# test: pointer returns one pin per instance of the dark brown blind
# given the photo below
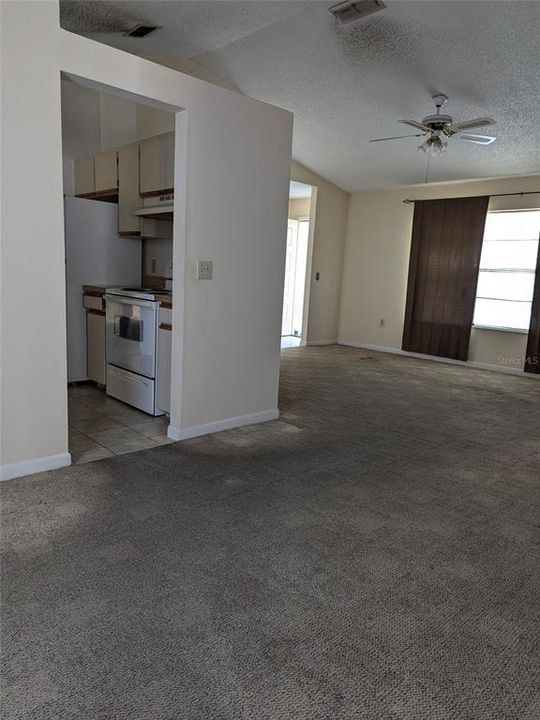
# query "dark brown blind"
(532, 361)
(443, 273)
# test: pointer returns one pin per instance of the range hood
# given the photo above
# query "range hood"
(158, 207)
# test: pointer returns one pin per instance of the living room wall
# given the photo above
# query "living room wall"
(376, 263)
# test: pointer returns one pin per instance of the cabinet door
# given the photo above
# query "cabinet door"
(84, 176)
(163, 370)
(157, 165)
(128, 191)
(106, 171)
(95, 346)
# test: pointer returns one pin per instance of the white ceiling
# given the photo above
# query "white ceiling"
(347, 84)
(186, 28)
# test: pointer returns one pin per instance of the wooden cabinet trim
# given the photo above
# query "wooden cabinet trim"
(91, 311)
(155, 193)
(165, 326)
(111, 193)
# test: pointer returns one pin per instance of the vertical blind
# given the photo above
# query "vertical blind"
(443, 273)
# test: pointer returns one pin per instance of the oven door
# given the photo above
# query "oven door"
(130, 339)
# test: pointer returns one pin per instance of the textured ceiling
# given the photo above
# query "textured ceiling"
(347, 84)
(186, 28)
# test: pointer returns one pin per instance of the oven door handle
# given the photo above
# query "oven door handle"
(130, 301)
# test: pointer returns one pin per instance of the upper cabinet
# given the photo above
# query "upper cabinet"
(128, 190)
(85, 183)
(157, 165)
(126, 174)
(97, 175)
(106, 172)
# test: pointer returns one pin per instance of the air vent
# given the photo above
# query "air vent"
(140, 31)
(348, 12)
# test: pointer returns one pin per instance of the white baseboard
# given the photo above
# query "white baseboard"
(29, 467)
(321, 342)
(436, 358)
(219, 425)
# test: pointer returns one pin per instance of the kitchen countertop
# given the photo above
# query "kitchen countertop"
(164, 300)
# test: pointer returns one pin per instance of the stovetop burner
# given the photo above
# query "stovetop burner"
(138, 292)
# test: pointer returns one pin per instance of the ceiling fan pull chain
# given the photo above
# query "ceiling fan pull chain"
(427, 166)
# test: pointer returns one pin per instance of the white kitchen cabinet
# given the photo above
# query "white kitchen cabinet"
(157, 165)
(95, 345)
(106, 172)
(128, 191)
(163, 369)
(84, 176)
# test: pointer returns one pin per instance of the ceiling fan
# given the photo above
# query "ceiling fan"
(438, 128)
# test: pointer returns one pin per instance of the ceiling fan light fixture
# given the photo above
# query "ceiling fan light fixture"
(434, 145)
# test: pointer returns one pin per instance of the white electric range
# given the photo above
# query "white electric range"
(131, 345)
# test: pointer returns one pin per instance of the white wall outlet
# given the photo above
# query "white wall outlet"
(205, 269)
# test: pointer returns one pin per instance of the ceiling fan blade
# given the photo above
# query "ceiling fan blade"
(470, 124)
(417, 125)
(396, 137)
(476, 139)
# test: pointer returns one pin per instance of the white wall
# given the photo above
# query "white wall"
(376, 263)
(226, 331)
(33, 310)
(81, 120)
(149, 122)
(118, 121)
(328, 246)
(494, 347)
(93, 121)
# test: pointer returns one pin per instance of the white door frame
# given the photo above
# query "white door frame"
(309, 263)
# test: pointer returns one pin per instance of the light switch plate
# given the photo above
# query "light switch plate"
(205, 269)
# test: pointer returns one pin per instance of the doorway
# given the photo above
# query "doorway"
(296, 288)
(118, 160)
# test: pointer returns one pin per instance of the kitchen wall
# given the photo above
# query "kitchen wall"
(376, 262)
(328, 245)
(157, 247)
(150, 121)
(220, 215)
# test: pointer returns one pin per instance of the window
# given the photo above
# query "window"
(507, 268)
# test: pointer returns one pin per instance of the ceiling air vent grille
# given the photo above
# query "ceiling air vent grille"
(140, 31)
(348, 12)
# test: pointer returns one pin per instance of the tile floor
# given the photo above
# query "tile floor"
(100, 426)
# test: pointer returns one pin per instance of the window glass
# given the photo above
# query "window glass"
(505, 286)
(519, 225)
(502, 314)
(509, 255)
(507, 270)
